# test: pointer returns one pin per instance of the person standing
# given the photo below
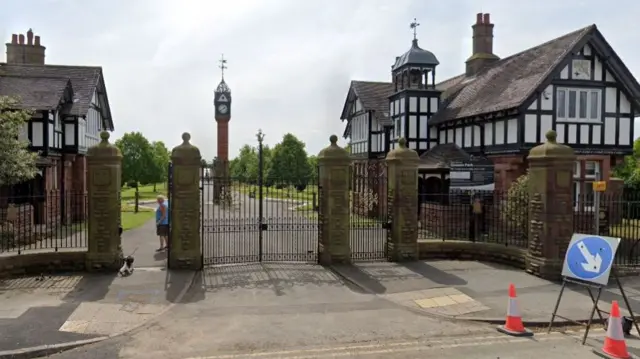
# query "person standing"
(162, 223)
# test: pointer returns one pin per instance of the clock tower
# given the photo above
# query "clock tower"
(222, 105)
(222, 108)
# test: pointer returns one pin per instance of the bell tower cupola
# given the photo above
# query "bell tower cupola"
(415, 98)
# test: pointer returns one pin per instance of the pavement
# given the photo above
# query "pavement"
(301, 311)
(66, 310)
(479, 291)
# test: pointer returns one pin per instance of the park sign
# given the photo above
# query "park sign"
(589, 258)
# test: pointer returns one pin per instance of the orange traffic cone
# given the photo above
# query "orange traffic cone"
(614, 346)
(513, 325)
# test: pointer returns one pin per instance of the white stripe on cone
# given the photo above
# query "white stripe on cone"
(614, 329)
(513, 310)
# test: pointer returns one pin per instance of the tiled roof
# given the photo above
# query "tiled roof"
(374, 95)
(35, 93)
(506, 83)
(84, 79)
(444, 154)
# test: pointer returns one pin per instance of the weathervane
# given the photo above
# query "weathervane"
(414, 25)
(223, 65)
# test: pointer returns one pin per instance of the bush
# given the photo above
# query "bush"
(301, 187)
(516, 211)
(132, 184)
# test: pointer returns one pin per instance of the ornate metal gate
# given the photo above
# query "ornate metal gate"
(370, 222)
(258, 214)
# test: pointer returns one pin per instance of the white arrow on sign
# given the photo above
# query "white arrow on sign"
(592, 262)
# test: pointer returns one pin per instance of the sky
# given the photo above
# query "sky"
(289, 61)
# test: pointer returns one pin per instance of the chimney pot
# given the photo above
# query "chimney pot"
(479, 18)
(14, 39)
(37, 41)
(487, 19)
(29, 37)
(21, 39)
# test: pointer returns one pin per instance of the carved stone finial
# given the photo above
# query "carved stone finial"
(104, 136)
(402, 142)
(186, 137)
(551, 136)
(334, 140)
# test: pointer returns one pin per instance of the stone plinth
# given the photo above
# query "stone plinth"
(104, 163)
(185, 251)
(551, 212)
(402, 172)
(334, 217)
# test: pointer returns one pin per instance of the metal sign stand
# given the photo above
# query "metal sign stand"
(589, 263)
(589, 287)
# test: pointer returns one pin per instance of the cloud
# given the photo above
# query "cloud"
(290, 62)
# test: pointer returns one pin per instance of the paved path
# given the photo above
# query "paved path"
(475, 290)
(65, 308)
(144, 242)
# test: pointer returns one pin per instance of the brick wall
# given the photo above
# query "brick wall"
(44, 262)
(507, 169)
(223, 138)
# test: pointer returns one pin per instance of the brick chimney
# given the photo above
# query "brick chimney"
(30, 53)
(482, 54)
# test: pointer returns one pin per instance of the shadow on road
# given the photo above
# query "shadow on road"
(389, 277)
(275, 276)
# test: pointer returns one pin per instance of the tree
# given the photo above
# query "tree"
(244, 168)
(289, 164)
(629, 170)
(348, 148)
(313, 163)
(137, 160)
(161, 157)
(17, 163)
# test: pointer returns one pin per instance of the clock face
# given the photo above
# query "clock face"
(223, 109)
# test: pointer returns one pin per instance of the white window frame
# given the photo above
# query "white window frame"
(396, 127)
(579, 179)
(592, 110)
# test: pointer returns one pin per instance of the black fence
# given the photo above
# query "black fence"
(476, 216)
(618, 216)
(50, 221)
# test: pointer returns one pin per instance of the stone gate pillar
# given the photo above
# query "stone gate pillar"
(551, 168)
(333, 212)
(185, 251)
(104, 163)
(402, 173)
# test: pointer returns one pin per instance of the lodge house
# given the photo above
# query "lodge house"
(70, 109)
(492, 114)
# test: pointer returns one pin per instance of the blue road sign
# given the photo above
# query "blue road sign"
(589, 258)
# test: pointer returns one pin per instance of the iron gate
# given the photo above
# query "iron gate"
(370, 220)
(257, 214)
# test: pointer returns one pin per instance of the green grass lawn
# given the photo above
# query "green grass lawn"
(145, 193)
(280, 193)
(129, 218)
